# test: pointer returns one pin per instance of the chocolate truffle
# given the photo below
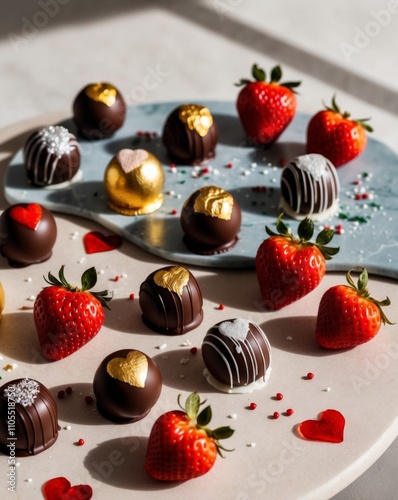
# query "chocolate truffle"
(28, 417)
(171, 301)
(99, 110)
(310, 188)
(237, 356)
(2, 299)
(27, 234)
(134, 180)
(210, 219)
(126, 385)
(190, 135)
(51, 156)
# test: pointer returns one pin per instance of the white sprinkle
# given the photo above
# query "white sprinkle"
(29, 480)
(29, 280)
(233, 416)
(253, 165)
(327, 389)
(178, 196)
(289, 338)
(216, 171)
(101, 271)
(265, 172)
(246, 172)
(273, 180)
(251, 445)
(161, 346)
(124, 275)
(186, 343)
(184, 361)
(80, 261)
(32, 298)
(170, 193)
(68, 427)
(14, 365)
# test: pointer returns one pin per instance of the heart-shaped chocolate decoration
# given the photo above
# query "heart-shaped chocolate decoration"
(133, 369)
(59, 488)
(329, 427)
(95, 242)
(173, 279)
(129, 159)
(102, 92)
(29, 215)
(236, 329)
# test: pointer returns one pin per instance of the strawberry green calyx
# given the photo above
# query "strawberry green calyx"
(336, 109)
(88, 281)
(305, 232)
(201, 419)
(362, 291)
(259, 75)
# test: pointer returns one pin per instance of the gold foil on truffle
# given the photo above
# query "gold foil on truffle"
(102, 92)
(215, 202)
(133, 369)
(173, 279)
(134, 188)
(197, 118)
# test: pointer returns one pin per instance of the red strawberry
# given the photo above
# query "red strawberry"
(334, 135)
(266, 109)
(67, 317)
(288, 267)
(180, 446)
(348, 316)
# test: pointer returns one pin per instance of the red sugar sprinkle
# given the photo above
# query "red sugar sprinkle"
(253, 406)
(229, 165)
(80, 442)
(172, 165)
(68, 390)
(221, 307)
(61, 394)
(194, 350)
(131, 296)
(276, 414)
(174, 212)
(339, 229)
(279, 396)
(310, 375)
(358, 197)
(116, 278)
(282, 162)
(365, 196)
(88, 400)
(205, 171)
(289, 412)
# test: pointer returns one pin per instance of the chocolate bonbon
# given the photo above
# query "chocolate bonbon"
(33, 427)
(237, 356)
(171, 301)
(126, 385)
(190, 135)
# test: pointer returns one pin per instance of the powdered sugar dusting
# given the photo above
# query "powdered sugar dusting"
(57, 140)
(313, 164)
(130, 159)
(236, 329)
(23, 393)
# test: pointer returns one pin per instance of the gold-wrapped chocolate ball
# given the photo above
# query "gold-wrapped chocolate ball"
(134, 181)
(2, 299)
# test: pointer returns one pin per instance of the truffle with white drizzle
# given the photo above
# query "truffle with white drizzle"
(310, 188)
(51, 156)
(237, 356)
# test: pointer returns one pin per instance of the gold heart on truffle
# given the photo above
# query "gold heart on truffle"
(173, 279)
(102, 92)
(133, 369)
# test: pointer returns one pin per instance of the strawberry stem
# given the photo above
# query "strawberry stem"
(336, 109)
(259, 75)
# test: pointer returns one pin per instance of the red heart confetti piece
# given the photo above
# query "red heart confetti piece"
(329, 427)
(29, 215)
(59, 488)
(97, 242)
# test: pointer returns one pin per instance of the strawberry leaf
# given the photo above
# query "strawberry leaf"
(222, 433)
(324, 237)
(276, 74)
(204, 416)
(89, 279)
(305, 229)
(258, 73)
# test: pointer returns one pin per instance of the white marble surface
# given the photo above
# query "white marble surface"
(168, 50)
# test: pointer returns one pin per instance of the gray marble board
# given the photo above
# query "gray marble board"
(368, 198)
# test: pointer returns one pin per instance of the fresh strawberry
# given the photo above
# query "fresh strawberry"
(289, 267)
(348, 316)
(67, 317)
(180, 446)
(266, 108)
(334, 135)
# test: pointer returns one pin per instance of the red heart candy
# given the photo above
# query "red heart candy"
(29, 215)
(59, 488)
(98, 242)
(329, 427)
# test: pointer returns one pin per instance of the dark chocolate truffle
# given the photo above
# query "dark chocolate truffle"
(134, 180)
(190, 135)
(237, 356)
(210, 219)
(171, 301)
(28, 417)
(127, 384)
(99, 110)
(51, 156)
(27, 234)
(310, 188)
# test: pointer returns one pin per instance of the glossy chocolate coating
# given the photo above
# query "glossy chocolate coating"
(310, 187)
(51, 156)
(166, 311)
(121, 402)
(186, 146)
(208, 235)
(23, 246)
(36, 423)
(95, 119)
(240, 359)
